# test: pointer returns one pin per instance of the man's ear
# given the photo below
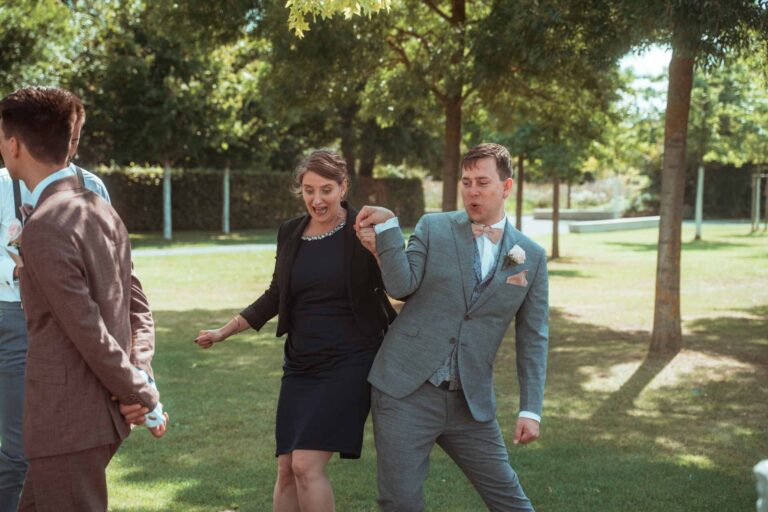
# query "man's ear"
(508, 183)
(15, 146)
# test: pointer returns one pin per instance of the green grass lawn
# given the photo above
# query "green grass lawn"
(620, 432)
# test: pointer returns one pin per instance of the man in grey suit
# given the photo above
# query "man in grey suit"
(466, 275)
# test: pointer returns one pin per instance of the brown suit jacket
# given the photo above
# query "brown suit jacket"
(88, 324)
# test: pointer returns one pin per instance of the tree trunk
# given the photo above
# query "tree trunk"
(519, 199)
(667, 332)
(555, 218)
(347, 115)
(451, 152)
(367, 151)
(568, 205)
(452, 100)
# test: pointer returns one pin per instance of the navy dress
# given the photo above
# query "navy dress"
(324, 395)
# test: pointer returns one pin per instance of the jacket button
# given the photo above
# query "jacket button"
(467, 317)
(453, 341)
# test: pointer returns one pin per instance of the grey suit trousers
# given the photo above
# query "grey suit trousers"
(406, 430)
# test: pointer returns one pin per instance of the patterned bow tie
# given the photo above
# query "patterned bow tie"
(26, 210)
(493, 234)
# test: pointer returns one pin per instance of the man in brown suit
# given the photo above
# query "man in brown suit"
(89, 326)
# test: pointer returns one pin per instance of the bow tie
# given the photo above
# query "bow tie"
(493, 234)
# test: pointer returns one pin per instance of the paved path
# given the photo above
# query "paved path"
(531, 227)
(208, 249)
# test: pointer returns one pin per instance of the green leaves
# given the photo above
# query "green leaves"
(299, 10)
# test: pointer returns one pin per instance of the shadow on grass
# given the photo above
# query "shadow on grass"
(621, 431)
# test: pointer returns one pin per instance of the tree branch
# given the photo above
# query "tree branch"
(434, 7)
(409, 66)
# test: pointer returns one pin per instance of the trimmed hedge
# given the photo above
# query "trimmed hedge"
(257, 199)
(727, 191)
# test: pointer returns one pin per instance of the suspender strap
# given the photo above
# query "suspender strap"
(17, 199)
(80, 176)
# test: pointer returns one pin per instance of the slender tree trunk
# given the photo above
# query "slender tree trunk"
(568, 205)
(667, 331)
(367, 152)
(451, 152)
(347, 135)
(452, 103)
(519, 200)
(555, 218)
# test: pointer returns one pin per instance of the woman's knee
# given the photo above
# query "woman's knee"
(305, 467)
(285, 475)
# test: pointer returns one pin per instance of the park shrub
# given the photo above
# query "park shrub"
(257, 199)
(727, 191)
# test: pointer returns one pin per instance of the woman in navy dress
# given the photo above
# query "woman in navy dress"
(328, 295)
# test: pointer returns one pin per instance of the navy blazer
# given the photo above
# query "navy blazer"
(370, 305)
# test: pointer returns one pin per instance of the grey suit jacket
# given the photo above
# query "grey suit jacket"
(435, 273)
(88, 320)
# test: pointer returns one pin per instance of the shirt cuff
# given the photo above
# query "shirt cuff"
(391, 223)
(153, 418)
(530, 416)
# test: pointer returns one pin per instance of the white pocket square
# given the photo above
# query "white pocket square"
(518, 279)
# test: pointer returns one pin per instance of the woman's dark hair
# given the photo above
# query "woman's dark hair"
(323, 162)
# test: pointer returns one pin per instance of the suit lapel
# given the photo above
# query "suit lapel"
(462, 238)
(288, 255)
(500, 276)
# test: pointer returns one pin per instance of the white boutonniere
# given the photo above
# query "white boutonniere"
(515, 256)
(14, 233)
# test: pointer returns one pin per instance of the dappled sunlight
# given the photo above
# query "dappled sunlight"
(697, 367)
(688, 367)
(698, 461)
(600, 380)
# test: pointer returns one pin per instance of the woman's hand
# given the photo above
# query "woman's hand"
(367, 237)
(206, 339)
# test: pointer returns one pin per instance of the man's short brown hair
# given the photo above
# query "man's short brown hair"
(41, 118)
(490, 150)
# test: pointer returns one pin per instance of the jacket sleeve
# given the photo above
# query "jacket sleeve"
(402, 269)
(63, 284)
(266, 307)
(142, 327)
(532, 340)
